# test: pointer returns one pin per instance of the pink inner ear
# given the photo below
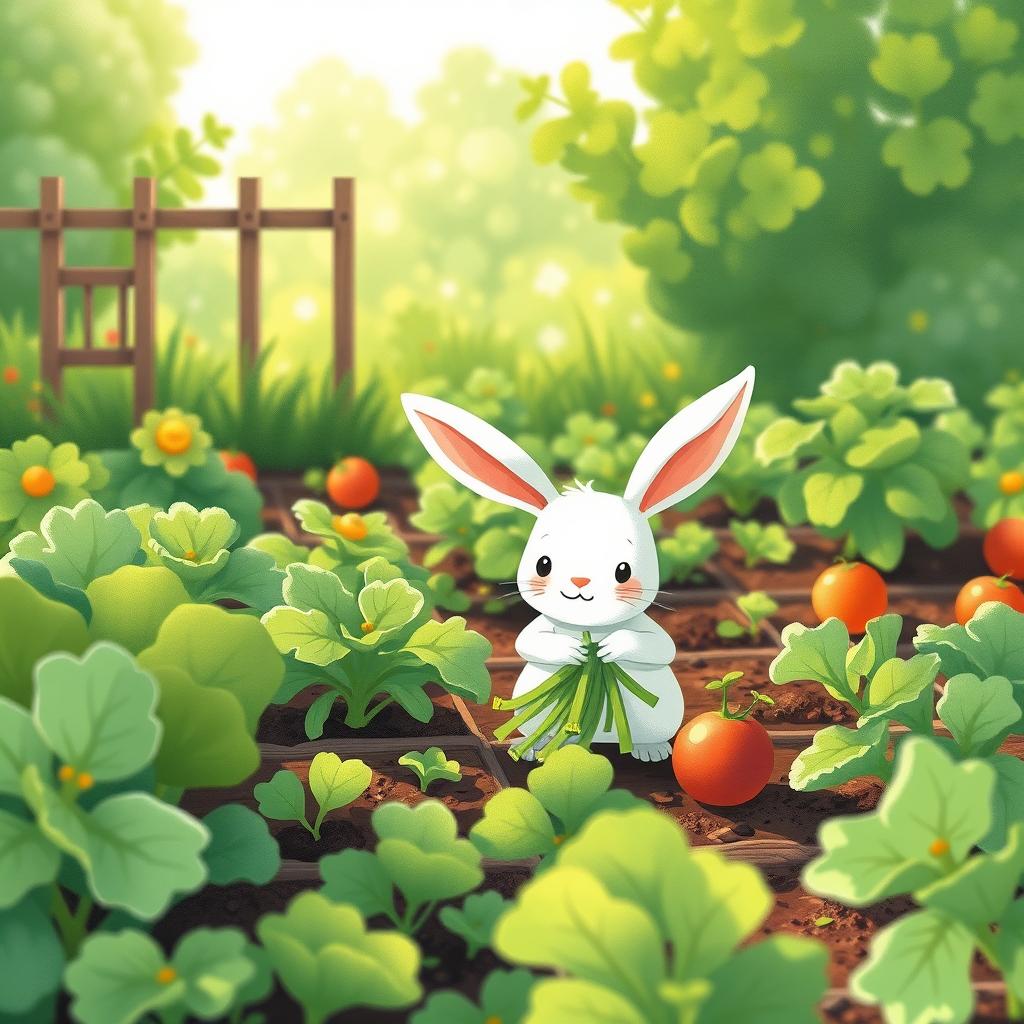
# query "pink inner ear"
(472, 459)
(694, 459)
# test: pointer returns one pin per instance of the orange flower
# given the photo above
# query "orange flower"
(11, 375)
(608, 409)
(112, 337)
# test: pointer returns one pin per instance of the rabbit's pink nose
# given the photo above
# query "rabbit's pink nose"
(580, 581)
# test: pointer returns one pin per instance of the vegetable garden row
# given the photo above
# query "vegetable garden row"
(257, 775)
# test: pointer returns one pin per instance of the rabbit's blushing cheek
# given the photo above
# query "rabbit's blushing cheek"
(538, 584)
(631, 590)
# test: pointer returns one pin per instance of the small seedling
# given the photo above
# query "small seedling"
(684, 553)
(334, 783)
(762, 543)
(315, 480)
(474, 921)
(430, 766)
(723, 685)
(756, 607)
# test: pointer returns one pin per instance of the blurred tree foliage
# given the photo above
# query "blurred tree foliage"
(86, 88)
(814, 177)
(456, 224)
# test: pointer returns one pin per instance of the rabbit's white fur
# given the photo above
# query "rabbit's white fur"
(588, 536)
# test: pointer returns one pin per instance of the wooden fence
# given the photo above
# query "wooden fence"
(139, 281)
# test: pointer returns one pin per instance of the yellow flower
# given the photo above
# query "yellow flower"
(166, 975)
(918, 321)
(648, 400)
(1011, 482)
(672, 371)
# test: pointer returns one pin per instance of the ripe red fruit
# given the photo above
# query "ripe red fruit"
(1004, 548)
(353, 483)
(976, 592)
(239, 462)
(724, 758)
(852, 592)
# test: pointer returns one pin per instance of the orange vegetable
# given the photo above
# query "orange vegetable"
(353, 483)
(976, 592)
(239, 462)
(1004, 548)
(851, 592)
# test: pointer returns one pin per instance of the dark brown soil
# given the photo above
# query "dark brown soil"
(692, 626)
(812, 556)
(954, 565)
(284, 724)
(715, 512)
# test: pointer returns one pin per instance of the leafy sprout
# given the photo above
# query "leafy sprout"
(431, 765)
(685, 551)
(762, 542)
(755, 608)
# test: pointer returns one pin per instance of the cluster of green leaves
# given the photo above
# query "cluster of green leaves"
(431, 765)
(80, 816)
(872, 466)
(593, 450)
(755, 608)
(474, 921)
(922, 841)
(980, 706)
(333, 782)
(418, 855)
(504, 996)
(997, 478)
(75, 548)
(762, 542)
(734, 194)
(683, 553)
(368, 634)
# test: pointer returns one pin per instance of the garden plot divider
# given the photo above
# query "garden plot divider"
(777, 831)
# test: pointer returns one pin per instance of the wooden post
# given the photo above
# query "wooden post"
(343, 255)
(248, 275)
(144, 229)
(87, 315)
(122, 316)
(51, 295)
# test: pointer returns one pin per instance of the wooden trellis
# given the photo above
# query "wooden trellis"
(136, 334)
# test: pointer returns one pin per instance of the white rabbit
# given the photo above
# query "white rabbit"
(590, 562)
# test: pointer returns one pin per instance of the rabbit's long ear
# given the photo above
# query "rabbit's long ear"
(685, 453)
(478, 455)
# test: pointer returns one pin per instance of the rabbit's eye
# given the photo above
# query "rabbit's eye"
(544, 566)
(623, 572)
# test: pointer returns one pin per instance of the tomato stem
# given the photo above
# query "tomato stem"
(723, 684)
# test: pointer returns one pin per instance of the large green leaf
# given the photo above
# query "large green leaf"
(20, 745)
(882, 447)
(218, 649)
(137, 853)
(311, 635)
(877, 534)
(817, 654)
(897, 683)
(130, 605)
(991, 644)
(196, 541)
(514, 826)
(358, 877)
(785, 437)
(1007, 800)
(877, 646)
(31, 626)
(282, 798)
(32, 957)
(336, 783)
(912, 492)
(310, 588)
(386, 607)
(570, 783)
(214, 965)
(27, 859)
(457, 653)
(556, 1000)
(241, 847)
(978, 712)
(829, 493)
(249, 576)
(837, 755)
(97, 713)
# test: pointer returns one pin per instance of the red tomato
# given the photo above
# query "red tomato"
(239, 462)
(1004, 548)
(986, 588)
(723, 761)
(851, 592)
(353, 483)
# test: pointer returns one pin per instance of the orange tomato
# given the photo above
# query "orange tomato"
(976, 592)
(851, 592)
(353, 483)
(239, 462)
(723, 761)
(1004, 548)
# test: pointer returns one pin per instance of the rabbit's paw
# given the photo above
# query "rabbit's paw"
(652, 751)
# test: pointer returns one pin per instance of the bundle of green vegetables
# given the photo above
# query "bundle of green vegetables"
(574, 698)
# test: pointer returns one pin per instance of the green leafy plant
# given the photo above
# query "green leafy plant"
(560, 796)
(869, 469)
(722, 686)
(574, 701)
(593, 450)
(430, 766)
(762, 542)
(418, 854)
(755, 608)
(35, 476)
(474, 921)
(685, 551)
(504, 996)
(372, 639)
(333, 782)
(920, 842)
(618, 918)
(172, 461)
(126, 977)
(997, 483)
(328, 960)
(75, 547)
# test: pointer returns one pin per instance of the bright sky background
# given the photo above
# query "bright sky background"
(250, 50)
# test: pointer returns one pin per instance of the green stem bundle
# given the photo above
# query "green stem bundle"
(572, 701)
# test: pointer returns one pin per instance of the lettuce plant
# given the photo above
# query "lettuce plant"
(418, 854)
(572, 785)
(474, 921)
(504, 996)
(126, 977)
(373, 643)
(328, 961)
(622, 916)
(921, 841)
(593, 450)
(872, 465)
(997, 483)
(755, 607)
(333, 782)
(685, 551)
(762, 542)
(75, 547)
(431, 765)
